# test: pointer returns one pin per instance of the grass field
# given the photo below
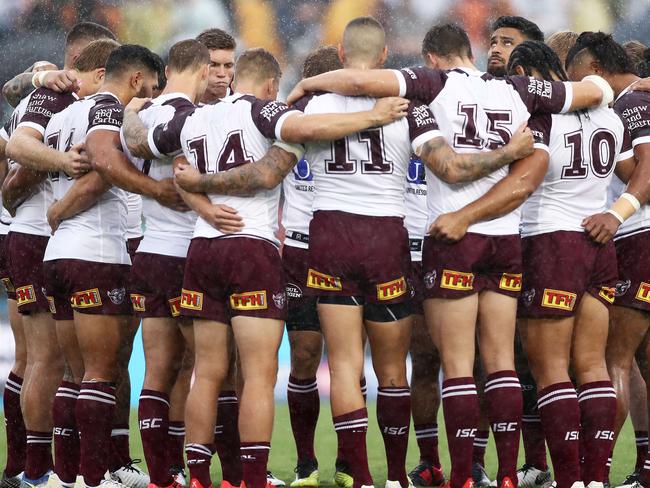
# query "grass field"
(283, 453)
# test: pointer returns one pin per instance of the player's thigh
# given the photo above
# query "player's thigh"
(99, 338)
(210, 349)
(627, 328)
(452, 326)
(389, 345)
(258, 340)
(306, 352)
(549, 349)
(41, 330)
(497, 323)
(424, 355)
(343, 331)
(163, 343)
(590, 340)
(67, 339)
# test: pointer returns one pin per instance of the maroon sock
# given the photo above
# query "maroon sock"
(66, 436)
(641, 437)
(95, 413)
(175, 444)
(304, 407)
(153, 421)
(598, 414)
(461, 411)
(254, 460)
(480, 446)
(198, 460)
(227, 440)
(38, 458)
(534, 442)
(16, 436)
(364, 388)
(504, 405)
(427, 437)
(394, 419)
(351, 431)
(120, 454)
(560, 414)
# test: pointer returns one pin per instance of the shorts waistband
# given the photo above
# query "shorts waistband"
(298, 236)
(415, 245)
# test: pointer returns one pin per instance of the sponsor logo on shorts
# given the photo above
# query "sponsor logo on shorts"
(251, 300)
(607, 293)
(86, 299)
(392, 289)
(175, 306)
(563, 300)
(9, 286)
(528, 296)
(643, 293)
(117, 295)
(280, 299)
(51, 305)
(510, 282)
(293, 291)
(622, 287)
(138, 302)
(25, 295)
(430, 279)
(457, 280)
(192, 300)
(321, 281)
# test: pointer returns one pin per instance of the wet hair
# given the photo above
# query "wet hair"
(257, 64)
(609, 53)
(635, 50)
(561, 42)
(535, 55)
(217, 39)
(364, 38)
(528, 29)
(322, 60)
(188, 54)
(643, 67)
(132, 56)
(162, 77)
(95, 55)
(87, 31)
(447, 40)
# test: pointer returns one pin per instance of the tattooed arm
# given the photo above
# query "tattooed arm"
(135, 133)
(264, 174)
(453, 167)
(18, 88)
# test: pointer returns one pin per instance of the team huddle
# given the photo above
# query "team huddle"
(492, 225)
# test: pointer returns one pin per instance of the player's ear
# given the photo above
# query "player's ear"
(137, 80)
(341, 52)
(98, 76)
(383, 57)
(596, 68)
(431, 60)
(519, 70)
(167, 71)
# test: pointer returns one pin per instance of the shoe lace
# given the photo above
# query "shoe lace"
(631, 478)
(525, 468)
(132, 466)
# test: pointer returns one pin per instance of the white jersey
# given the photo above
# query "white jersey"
(35, 111)
(167, 232)
(134, 215)
(477, 112)
(365, 173)
(97, 234)
(634, 109)
(234, 131)
(583, 149)
(415, 198)
(298, 189)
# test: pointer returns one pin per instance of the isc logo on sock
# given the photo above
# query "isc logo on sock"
(395, 430)
(62, 431)
(604, 435)
(465, 433)
(572, 435)
(150, 423)
(504, 427)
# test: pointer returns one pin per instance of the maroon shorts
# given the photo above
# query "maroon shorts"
(301, 314)
(360, 256)
(633, 289)
(132, 246)
(227, 277)
(417, 288)
(155, 285)
(86, 287)
(476, 263)
(4, 269)
(559, 268)
(25, 263)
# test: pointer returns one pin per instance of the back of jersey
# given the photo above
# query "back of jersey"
(365, 173)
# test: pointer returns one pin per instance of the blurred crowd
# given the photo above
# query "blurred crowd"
(32, 30)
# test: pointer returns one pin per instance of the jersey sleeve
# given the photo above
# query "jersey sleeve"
(627, 149)
(420, 83)
(634, 110)
(540, 125)
(422, 125)
(42, 105)
(541, 96)
(165, 139)
(4, 132)
(106, 116)
(269, 116)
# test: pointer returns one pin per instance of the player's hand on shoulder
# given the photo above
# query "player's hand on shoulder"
(43, 66)
(296, 94)
(449, 227)
(602, 227)
(223, 218)
(389, 109)
(136, 104)
(168, 196)
(642, 85)
(521, 143)
(62, 81)
(188, 177)
(76, 162)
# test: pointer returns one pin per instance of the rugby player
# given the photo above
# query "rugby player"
(86, 272)
(452, 304)
(507, 33)
(596, 52)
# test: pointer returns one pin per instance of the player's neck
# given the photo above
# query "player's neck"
(250, 88)
(620, 82)
(187, 85)
(123, 94)
(361, 65)
(456, 62)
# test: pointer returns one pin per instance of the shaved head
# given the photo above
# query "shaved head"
(364, 41)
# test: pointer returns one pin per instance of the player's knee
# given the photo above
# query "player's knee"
(386, 313)
(424, 367)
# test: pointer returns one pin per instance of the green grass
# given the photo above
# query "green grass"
(283, 454)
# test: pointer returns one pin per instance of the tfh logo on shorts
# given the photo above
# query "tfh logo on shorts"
(138, 302)
(559, 299)
(643, 293)
(175, 306)
(25, 295)
(86, 299)
(392, 289)
(510, 282)
(251, 300)
(192, 300)
(457, 280)
(321, 281)
(117, 295)
(607, 293)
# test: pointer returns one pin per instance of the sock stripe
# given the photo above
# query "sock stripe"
(509, 384)
(257, 446)
(562, 391)
(394, 393)
(119, 432)
(152, 397)
(531, 418)
(13, 384)
(72, 391)
(92, 391)
(433, 430)
(588, 391)
(96, 399)
(307, 389)
(459, 393)
(351, 424)
(228, 399)
(198, 448)
(505, 379)
(597, 395)
(11, 388)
